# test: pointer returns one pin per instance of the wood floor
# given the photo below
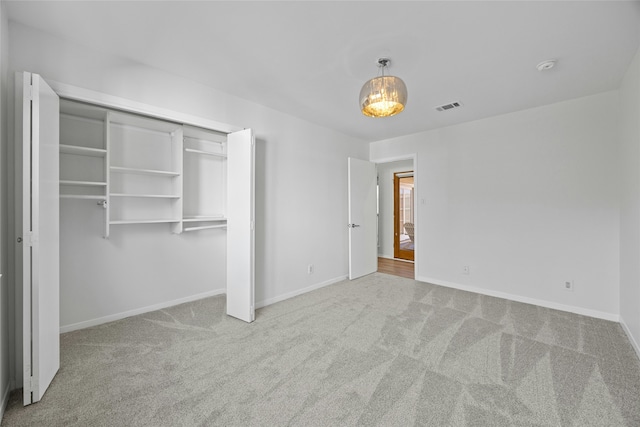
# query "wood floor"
(395, 267)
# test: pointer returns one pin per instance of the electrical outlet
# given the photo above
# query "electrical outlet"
(465, 269)
(310, 269)
(568, 285)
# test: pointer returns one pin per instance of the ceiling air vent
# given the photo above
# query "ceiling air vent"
(449, 106)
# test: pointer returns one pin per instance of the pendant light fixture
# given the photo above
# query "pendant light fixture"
(383, 96)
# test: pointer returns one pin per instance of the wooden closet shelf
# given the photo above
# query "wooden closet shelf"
(82, 196)
(83, 183)
(120, 169)
(144, 221)
(148, 196)
(207, 153)
(82, 151)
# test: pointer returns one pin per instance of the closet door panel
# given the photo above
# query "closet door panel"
(240, 225)
(38, 118)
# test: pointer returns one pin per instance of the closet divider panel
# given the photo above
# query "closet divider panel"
(177, 138)
(107, 202)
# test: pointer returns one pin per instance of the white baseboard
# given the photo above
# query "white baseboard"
(632, 339)
(288, 295)
(118, 316)
(526, 300)
(5, 400)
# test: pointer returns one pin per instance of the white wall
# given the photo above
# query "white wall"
(385, 218)
(630, 202)
(4, 282)
(528, 200)
(301, 196)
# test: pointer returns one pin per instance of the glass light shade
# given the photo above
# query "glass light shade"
(383, 96)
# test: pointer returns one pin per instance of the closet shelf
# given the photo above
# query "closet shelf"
(144, 221)
(142, 124)
(120, 169)
(148, 196)
(208, 153)
(82, 151)
(204, 227)
(202, 140)
(84, 183)
(82, 196)
(82, 112)
(204, 219)
(99, 119)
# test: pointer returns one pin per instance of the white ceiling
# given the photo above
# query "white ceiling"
(310, 59)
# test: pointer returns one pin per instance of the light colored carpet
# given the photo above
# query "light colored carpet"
(380, 350)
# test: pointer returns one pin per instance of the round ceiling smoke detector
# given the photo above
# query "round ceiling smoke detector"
(546, 65)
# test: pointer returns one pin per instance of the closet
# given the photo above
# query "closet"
(143, 170)
(121, 169)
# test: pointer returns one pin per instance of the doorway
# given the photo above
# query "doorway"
(387, 170)
(403, 216)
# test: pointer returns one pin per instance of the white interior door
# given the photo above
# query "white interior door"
(240, 225)
(37, 127)
(362, 225)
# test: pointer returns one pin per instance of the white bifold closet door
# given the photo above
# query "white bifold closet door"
(37, 221)
(363, 218)
(241, 225)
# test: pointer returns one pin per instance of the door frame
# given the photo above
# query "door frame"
(418, 201)
(397, 251)
(76, 93)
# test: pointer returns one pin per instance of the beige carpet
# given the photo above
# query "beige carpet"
(380, 350)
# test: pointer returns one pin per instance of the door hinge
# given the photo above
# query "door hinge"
(30, 238)
(33, 384)
(29, 93)
(26, 381)
(28, 384)
(253, 224)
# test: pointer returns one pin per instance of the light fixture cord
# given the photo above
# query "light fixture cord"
(384, 63)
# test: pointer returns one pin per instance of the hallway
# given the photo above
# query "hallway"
(396, 267)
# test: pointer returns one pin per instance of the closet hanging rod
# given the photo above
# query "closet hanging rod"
(216, 218)
(204, 227)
